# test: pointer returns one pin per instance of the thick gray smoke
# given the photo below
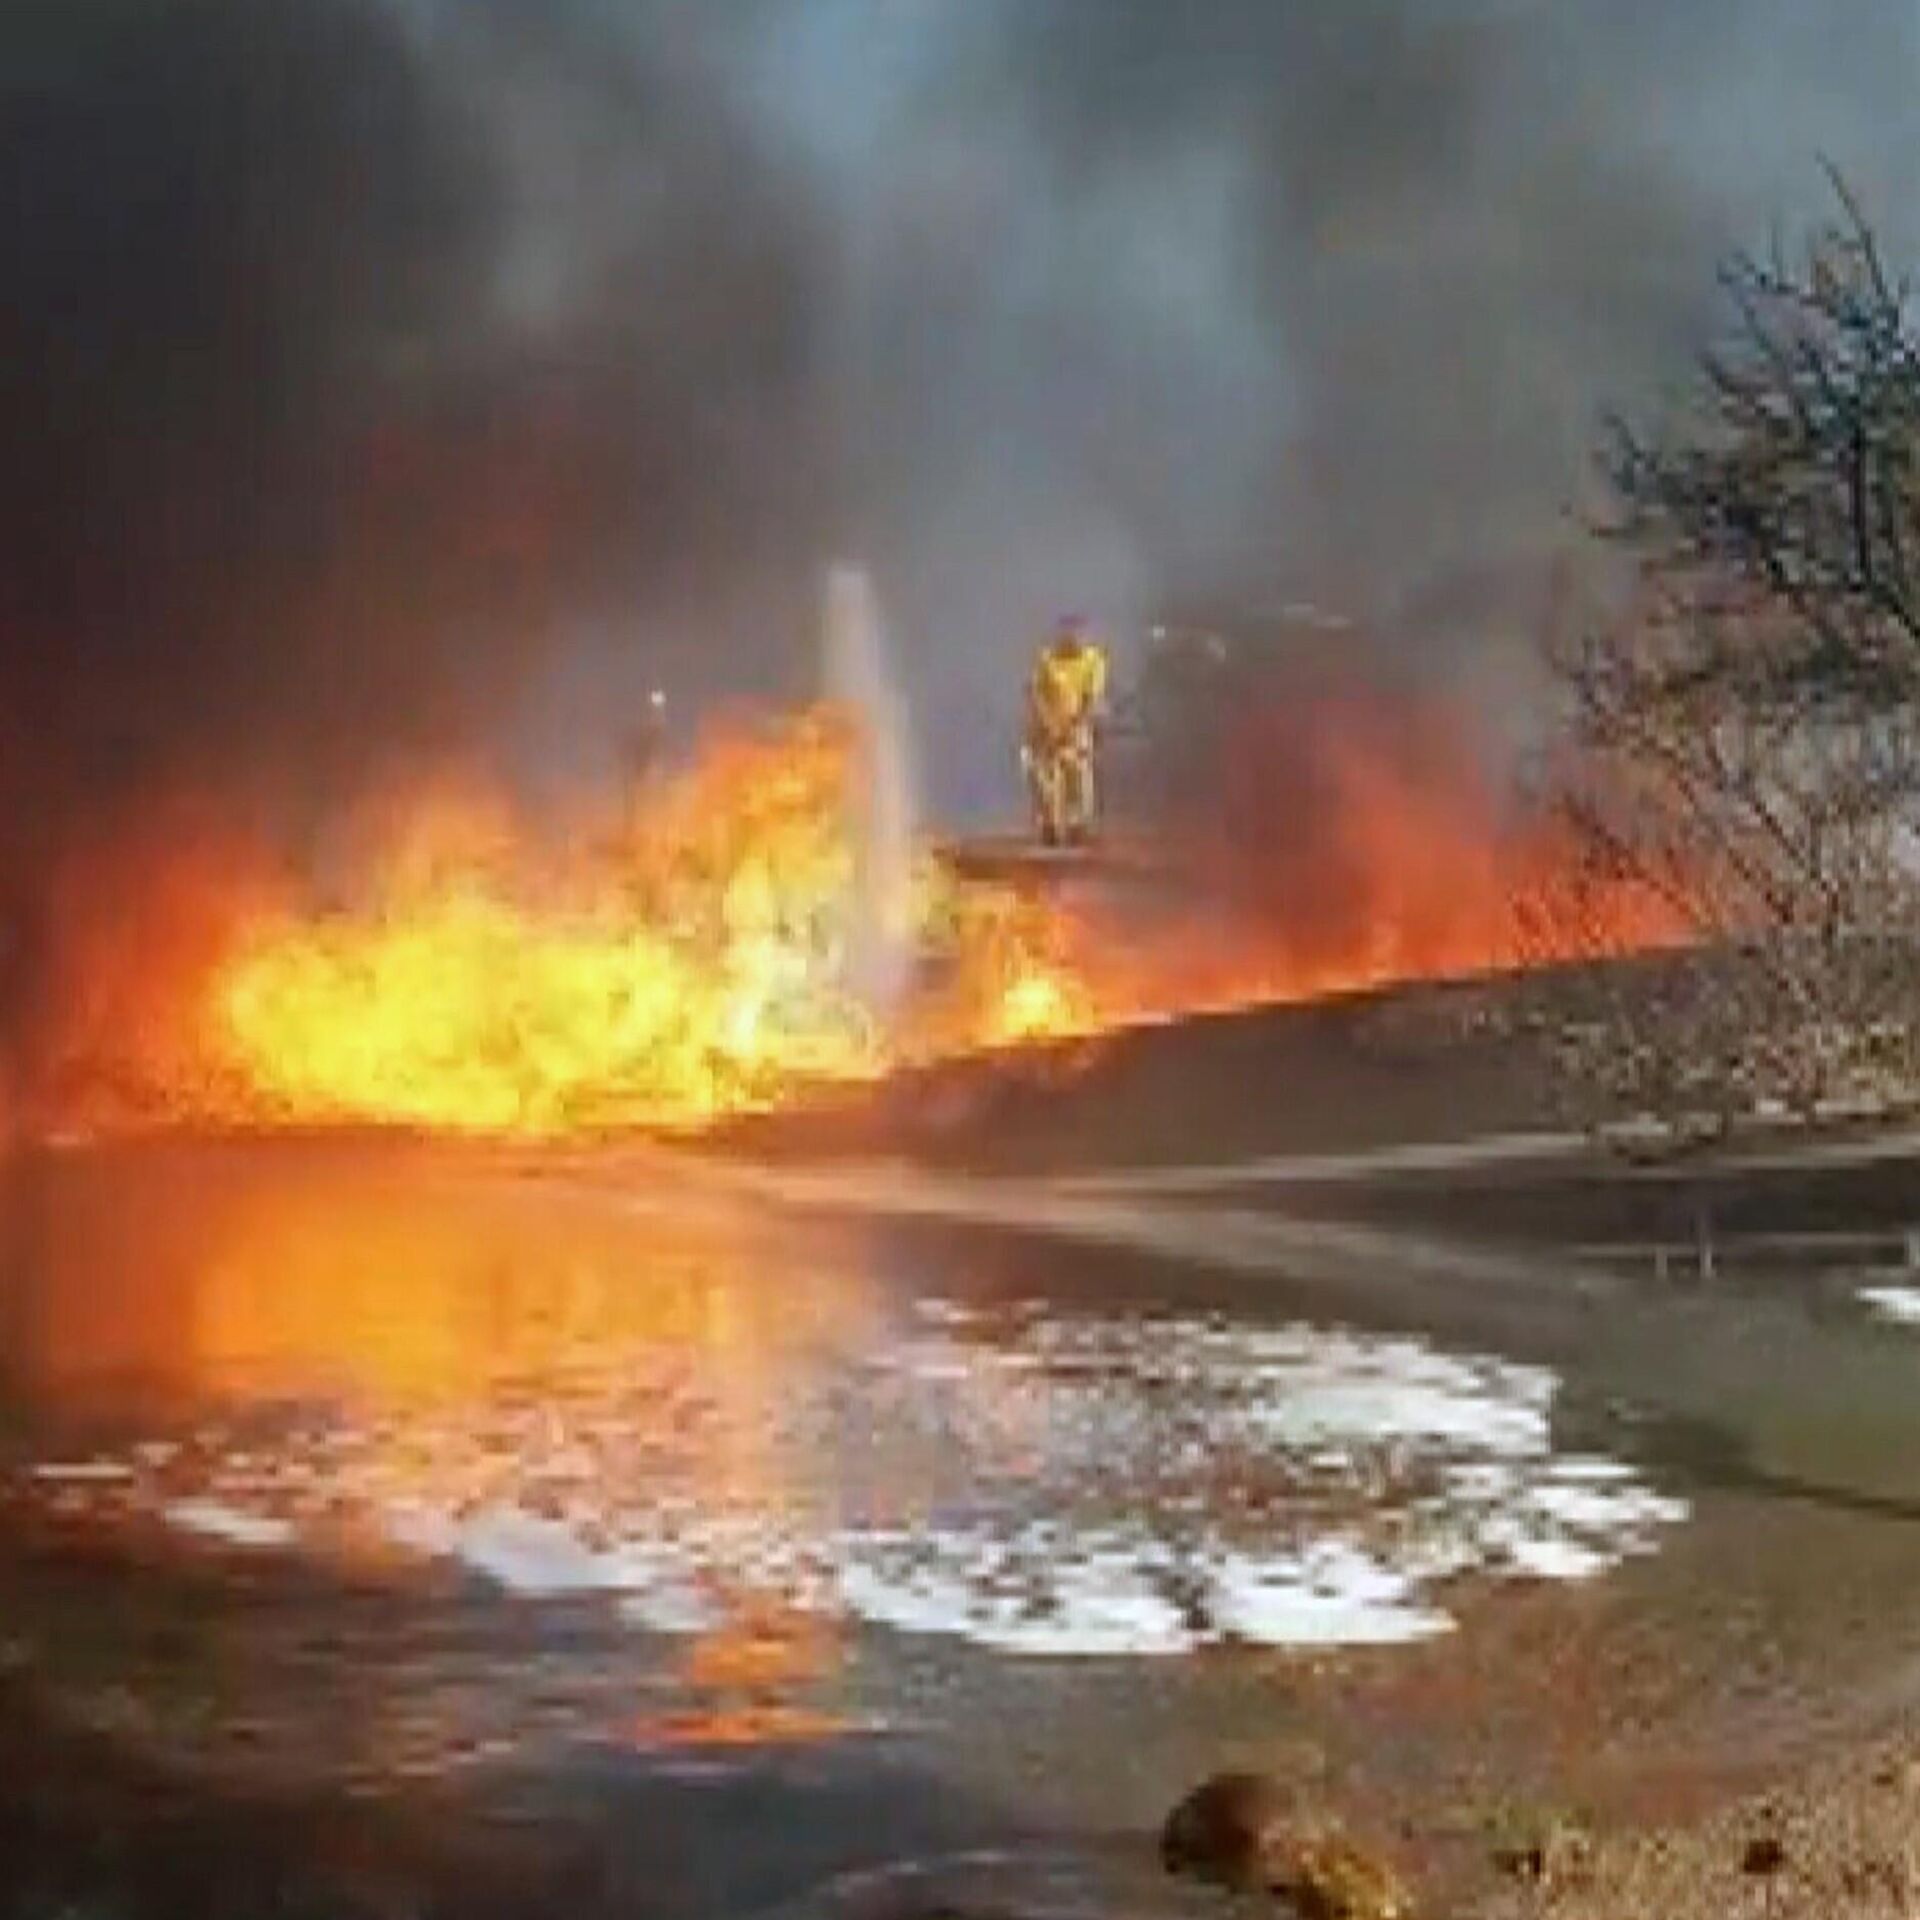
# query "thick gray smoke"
(375, 373)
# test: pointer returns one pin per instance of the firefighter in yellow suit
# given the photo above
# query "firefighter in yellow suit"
(1066, 700)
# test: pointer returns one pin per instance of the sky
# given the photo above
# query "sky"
(387, 378)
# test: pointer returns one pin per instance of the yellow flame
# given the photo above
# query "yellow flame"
(692, 955)
(690, 963)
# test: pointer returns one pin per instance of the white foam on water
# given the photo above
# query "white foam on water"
(530, 1554)
(1603, 1509)
(1896, 1303)
(1034, 1483)
(1543, 1558)
(1340, 1597)
(1575, 1467)
(670, 1610)
(82, 1472)
(234, 1526)
(1097, 1604)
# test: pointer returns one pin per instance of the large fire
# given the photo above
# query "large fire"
(680, 965)
(691, 957)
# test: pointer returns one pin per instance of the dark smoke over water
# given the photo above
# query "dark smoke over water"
(382, 374)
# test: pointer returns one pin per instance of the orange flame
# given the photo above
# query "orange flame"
(688, 960)
(1344, 841)
(682, 966)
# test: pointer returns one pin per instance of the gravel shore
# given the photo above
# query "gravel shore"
(1841, 1840)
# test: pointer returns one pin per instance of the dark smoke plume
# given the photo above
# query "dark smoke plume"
(307, 471)
(378, 375)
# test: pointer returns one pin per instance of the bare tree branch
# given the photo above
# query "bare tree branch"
(1746, 739)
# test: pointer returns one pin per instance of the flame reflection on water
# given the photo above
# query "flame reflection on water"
(741, 1436)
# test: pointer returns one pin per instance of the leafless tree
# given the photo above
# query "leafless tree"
(1744, 736)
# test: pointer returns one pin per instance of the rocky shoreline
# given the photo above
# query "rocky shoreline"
(1840, 1839)
(91, 1824)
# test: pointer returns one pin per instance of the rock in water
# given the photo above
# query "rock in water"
(1220, 1831)
(1248, 1832)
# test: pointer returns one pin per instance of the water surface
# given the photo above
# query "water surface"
(697, 1410)
(864, 1541)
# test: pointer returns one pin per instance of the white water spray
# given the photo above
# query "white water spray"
(859, 677)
